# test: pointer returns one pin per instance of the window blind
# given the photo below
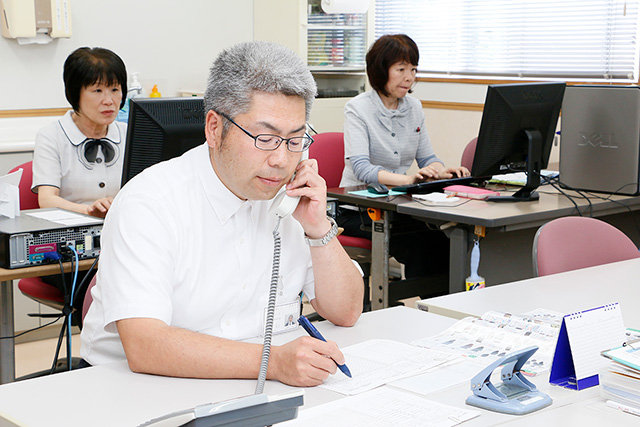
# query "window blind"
(593, 40)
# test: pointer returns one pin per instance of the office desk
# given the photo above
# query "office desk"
(506, 218)
(566, 292)
(7, 276)
(111, 395)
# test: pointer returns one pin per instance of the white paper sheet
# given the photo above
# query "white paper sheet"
(376, 362)
(382, 407)
(442, 377)
(64, 217)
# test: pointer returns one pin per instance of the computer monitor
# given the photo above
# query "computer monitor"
(516, 133)
(160, 129)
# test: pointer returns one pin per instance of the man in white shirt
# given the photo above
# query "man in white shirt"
(187, 245)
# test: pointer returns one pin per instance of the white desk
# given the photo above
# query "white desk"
(111, 395)
(565, 292)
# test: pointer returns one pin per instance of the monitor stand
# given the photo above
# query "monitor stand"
(534, 165)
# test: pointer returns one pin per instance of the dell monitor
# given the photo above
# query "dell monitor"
(160, 129)
(516, 133)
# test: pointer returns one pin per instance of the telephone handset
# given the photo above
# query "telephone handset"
(284, 205)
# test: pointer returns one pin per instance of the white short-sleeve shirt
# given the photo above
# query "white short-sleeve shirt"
(178, 246)
(58, 161)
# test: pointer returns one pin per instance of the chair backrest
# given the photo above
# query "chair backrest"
(28, 199)
(468, 154)
(328, 150)
(574, 242)
(88, 299)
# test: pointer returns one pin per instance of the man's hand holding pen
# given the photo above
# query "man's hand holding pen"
(304, 362)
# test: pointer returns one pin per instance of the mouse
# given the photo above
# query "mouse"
(378, 189)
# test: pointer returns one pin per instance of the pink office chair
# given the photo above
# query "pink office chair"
(28, 199)
(34, 287)
(468, 154)
(575, 242)
(328, 150)
(88, 298)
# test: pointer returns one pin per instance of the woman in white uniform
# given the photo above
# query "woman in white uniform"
(77, 161)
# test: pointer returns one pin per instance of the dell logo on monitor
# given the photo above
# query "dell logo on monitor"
(533, 95)
(594, 139)
(192, 113)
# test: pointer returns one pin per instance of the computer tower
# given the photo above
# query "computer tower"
(600, 139)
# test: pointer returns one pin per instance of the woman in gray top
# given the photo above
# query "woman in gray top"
(384, 132)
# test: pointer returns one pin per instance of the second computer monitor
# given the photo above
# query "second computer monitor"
(516, 132)
(160, 129)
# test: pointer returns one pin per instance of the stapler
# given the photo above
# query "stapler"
(516, 395)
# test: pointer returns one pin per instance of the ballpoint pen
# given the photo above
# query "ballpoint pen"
(311, 330)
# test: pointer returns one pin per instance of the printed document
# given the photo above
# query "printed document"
(382, 407)
(376, 362)
(497, 334)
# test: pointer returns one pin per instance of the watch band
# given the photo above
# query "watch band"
(333, 232)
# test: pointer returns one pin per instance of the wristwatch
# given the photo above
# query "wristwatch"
(327, 237)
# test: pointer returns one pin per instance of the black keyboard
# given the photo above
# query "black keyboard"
(435, 186)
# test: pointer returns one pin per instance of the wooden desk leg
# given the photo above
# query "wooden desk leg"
(380, 263)
(458, 250)
(7, 349)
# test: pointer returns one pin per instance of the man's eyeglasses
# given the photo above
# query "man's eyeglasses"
(268, 142)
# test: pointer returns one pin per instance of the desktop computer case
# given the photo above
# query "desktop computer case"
(600, 139)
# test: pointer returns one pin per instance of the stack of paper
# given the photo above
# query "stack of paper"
(620, 382)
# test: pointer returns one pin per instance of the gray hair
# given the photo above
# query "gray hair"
(256, 66)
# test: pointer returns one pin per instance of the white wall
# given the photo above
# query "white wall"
(171, 44)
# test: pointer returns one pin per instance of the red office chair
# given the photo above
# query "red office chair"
(468, 154)
(34, 287)
(88, 299)
(328, 150)
(575, 242)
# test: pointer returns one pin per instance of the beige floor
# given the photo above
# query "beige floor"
(36, 356)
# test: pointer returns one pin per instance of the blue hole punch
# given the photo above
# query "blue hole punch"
(516, 395)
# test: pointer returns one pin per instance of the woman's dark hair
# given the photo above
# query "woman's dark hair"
(385, 52)
(87, 66)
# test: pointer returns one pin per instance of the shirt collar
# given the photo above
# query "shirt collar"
(76, 137)
(384, 111)
(385, 115)
(225, 204)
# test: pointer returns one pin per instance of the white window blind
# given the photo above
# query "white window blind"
(593, 40)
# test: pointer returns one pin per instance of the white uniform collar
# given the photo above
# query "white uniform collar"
(224, 203)
(76, 137)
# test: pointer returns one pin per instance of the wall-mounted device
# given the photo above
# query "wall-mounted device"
(27, 19)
